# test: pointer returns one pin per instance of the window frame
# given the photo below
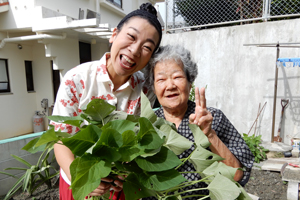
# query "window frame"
(7, 75)
(116, 4)
(29, 77)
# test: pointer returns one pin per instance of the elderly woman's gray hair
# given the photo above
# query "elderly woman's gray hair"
(177, 53)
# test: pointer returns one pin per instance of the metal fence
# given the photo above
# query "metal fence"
(184, 15)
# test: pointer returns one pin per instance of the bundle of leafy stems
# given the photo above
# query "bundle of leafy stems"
(143, 150)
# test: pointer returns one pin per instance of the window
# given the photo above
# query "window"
(29, 76)
(4, 78)
(116, 2)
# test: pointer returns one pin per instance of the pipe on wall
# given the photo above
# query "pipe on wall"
(32, 37)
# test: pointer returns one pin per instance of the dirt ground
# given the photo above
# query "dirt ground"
(267, 185)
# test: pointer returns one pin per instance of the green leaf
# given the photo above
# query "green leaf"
(14, 188)
(146, 109)
(48, 136)
(116, 115)
(98, 109)
(129, 150)
(15, 168)
(147, 136)
(30, 146)
(133, 189)
(130, 167)
(107, 153)
(82, 140)
(202, 158)
(133, 118)
(89, 171)
(74, 121)
(199, 137)
(8, 174)
(222, 188)
(21, 160)
(62, 134)
(174, 141)
(120, 125)
(27, 179)
(110, 137)
(220, 168)
(161, 180)
(162, 161)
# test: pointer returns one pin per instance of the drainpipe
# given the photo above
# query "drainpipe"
(97, 6)
(32, 37)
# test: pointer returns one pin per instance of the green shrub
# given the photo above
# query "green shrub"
(253, 143)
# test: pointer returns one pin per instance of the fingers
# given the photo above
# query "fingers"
(202, 98)
(101, 189)
(119, 184)
(107, 179)
(202, 117)
(197, 97)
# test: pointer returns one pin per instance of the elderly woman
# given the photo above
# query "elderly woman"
(171, 73)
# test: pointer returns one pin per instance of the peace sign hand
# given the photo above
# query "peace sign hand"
(202, 117)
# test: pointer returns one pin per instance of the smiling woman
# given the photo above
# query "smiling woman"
(114, 78)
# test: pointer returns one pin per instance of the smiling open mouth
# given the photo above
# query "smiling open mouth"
(127, 62)
(172, 95)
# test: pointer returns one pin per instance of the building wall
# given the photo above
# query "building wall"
(22, 14)
(240, 78)
(18, 107)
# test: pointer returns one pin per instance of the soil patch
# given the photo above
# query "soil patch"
(41, 193)
(267, 185)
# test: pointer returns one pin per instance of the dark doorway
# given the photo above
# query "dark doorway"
(55, 80)
(85, 53)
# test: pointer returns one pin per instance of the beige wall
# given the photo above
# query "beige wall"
(18, 108)
(239, 78)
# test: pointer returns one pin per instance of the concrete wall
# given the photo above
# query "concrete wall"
(8, 148)
(240, 78)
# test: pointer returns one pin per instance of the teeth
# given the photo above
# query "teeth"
(127, 59)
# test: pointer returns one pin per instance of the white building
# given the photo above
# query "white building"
(40, 41)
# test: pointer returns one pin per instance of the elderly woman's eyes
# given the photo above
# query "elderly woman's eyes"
(159, 79)
(178, 77)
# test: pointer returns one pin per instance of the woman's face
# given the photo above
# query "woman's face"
(171, 86)
(132, 47)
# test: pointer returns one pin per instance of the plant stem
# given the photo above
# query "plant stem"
(185, 184)
(185, 159)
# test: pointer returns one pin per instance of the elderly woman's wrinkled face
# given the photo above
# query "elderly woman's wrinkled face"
(171, 86)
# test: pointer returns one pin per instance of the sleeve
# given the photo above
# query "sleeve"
(66, 103)
(234, 142)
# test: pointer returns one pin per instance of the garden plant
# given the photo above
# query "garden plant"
(143, 149)
(254, 144)
(34, 175)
